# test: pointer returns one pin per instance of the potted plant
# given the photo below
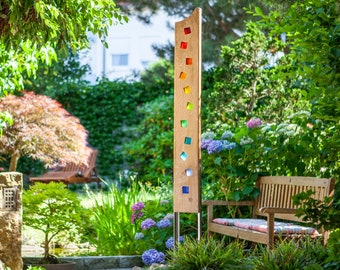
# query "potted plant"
(52, 209)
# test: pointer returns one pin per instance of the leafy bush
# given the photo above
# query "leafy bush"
(236, 155)
(53, 209)
(292, 255)
(333, 247)
(207, 253)
(154, 224)
(150, 152)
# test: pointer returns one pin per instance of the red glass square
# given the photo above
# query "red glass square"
(187, 30)
(184, 45)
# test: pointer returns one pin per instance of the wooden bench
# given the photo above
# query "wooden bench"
(73, 173)
(274, 202)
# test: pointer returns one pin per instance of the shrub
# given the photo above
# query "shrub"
(53, 209)
(236, 155)
(292, 255)
(207, 253)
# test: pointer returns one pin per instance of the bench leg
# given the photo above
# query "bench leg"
(270, 221)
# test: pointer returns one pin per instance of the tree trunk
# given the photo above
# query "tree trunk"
(14, 162)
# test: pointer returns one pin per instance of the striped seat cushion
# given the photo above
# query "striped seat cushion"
(261, 226)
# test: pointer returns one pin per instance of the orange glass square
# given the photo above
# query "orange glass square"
(188, 61)
(183, 75)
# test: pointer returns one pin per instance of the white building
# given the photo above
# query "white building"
(130, 48)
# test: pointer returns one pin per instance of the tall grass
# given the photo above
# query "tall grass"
(114, 232)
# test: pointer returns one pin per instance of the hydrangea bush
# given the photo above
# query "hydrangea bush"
(231, 157)
(234, 156)
(154, 226)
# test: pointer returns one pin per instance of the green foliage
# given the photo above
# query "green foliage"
(155, 236)
(35, 268)
(33, 31)
(294, 147)
(53, 209)
(246, 84)
(207, 253)
(65, 73)
(312, 31)
(314, 211)
(106, 110)
(111, 213)
(150, 152)
(333, 247)
(15, 63)
(5, 121)
(292, 255)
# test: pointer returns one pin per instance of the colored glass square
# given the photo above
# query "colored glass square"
(187, 30)
(183, 75)
(187, 140)
(184, 45)
(184, 123)
(188, 61)
(185, 189)
(188, 172)
(184, 156)
(190, 106)
(187, 89)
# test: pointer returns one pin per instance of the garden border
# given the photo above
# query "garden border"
(97, 262)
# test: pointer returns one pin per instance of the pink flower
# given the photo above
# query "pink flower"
(254, 123)
(137, 206)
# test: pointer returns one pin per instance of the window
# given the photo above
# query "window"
(120, 60)
(9, 198)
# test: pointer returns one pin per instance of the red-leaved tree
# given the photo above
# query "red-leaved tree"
(42, 130)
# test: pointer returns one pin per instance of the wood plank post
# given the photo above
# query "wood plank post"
(187, 120)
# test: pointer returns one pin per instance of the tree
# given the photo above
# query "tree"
(246, 83)
(53, 209)
(42, 130)
(223, 20)
(312, 31)
(32, 31)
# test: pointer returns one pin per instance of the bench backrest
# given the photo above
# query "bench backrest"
(86, 171)
(277, 191)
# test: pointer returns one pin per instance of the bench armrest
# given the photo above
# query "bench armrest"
(231, 203)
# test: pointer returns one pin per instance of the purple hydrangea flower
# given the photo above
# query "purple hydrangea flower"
(139, 236)
(136, 216)
(151, 256)
(164, 223)
(205, 143)
(227, 135)
(170, 243)
(169, 216)
(137, 206)
(148, 223)
(253, 123)
(228, 145)
(208, 135)
(214, 147)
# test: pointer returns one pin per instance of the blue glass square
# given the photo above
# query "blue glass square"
(185, 189)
